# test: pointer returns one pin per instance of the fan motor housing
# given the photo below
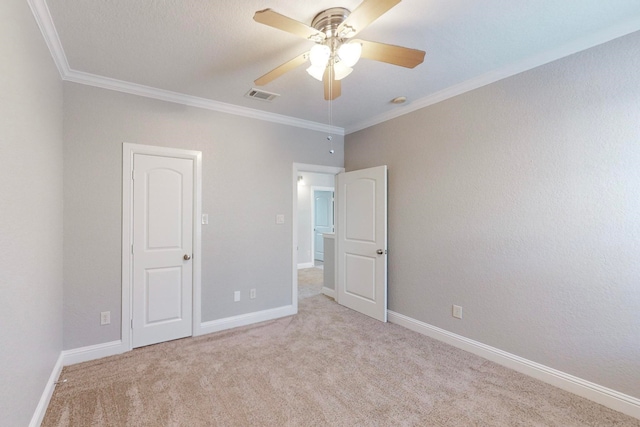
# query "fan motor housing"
(328, 20)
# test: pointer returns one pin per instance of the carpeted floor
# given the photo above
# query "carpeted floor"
(310, 282)
(327, 365)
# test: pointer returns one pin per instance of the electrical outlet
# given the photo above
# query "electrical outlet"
(105, 318)
(252, 294)
(457, 312)
(236, 296)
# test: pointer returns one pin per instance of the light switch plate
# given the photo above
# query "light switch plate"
(205, 218)
(280, 219)
(457, 312)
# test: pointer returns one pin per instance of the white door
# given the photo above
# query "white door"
(361, 234)
(323, 220)
(163, 197)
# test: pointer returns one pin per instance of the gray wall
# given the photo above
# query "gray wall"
(520, 201)
(30, 214)
(247, 180)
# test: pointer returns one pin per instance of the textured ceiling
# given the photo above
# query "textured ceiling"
(213, 49)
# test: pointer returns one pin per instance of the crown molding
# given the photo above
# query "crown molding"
(194, 101)
(44, 20)
(502, 73)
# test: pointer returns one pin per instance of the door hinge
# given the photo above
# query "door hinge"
(133, 174)
(131, 323)
(131, 249)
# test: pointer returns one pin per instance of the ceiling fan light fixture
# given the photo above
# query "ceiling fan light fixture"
(319, 55)
(331, 30)
(341, 71)
(317, 72)
(349, 53)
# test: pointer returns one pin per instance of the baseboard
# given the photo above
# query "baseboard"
(98, 351)
(92, 352)
(41, 409)
(84, 354)
(305, 265)
(71, 357)
(245, 319)
(626, 404)
(329, 292)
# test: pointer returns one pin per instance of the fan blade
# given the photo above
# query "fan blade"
(396, 55)
(278, 71)
(363, 15)
(332, 87)
(284, 23)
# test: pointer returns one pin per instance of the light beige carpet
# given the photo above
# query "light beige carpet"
(310, 282)
(325, 366)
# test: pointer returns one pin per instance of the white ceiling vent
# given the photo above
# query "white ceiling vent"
(261, 95)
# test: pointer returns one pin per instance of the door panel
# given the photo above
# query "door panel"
(361, 210)
(360, 274)
(163, 291)
(162, 236)
(361, 235)
(164, 194)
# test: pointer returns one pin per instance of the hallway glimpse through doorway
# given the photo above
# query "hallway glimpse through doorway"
(310, 281)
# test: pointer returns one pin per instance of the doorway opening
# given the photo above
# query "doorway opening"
(313, 225)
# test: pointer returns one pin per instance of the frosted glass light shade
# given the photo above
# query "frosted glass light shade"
(349, 53)
(341, 71)
(316, 72)
(319, 55)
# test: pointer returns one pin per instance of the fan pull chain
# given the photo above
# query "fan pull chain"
(329, 137)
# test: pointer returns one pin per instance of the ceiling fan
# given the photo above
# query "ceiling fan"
(335, 51)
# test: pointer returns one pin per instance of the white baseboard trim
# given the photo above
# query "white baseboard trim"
(305, 265)
(329, 292)
(615, 400)
(245, 319)
(98, 351)
(92, 352)
(41, 409)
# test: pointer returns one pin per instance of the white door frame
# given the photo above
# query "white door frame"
(128, 151)
(297, 168)
(313, 216)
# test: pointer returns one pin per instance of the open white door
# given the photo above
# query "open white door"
(361, 231)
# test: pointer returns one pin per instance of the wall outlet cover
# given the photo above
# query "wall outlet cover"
(105, 318)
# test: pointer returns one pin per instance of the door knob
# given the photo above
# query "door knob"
(379, 251)
(186, 257)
